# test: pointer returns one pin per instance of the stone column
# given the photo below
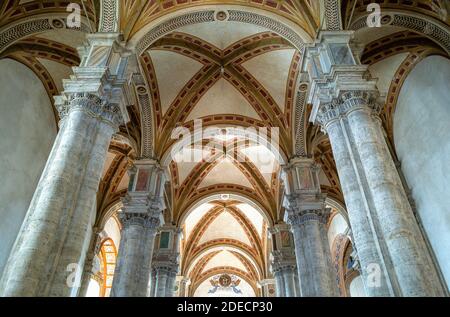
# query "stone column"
(153, 284)
(132, 275)
(297, 284)
(279, 283)
(63, 204)
(48, 256)
(170, 287)
(315, 271)
(283, 260)
(166, 268)
(289, 280)
(141, 217)
(161, 281)
(392, 252)
(166, 259)
(308, 217)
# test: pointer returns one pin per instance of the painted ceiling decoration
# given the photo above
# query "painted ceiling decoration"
(228, 64)
(135, 14)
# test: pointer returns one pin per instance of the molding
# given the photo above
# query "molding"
(23, 29)
(435, 30)
(109, 16)
(333, 15)
(209, 16)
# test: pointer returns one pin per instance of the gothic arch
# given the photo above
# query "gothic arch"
(217, 196)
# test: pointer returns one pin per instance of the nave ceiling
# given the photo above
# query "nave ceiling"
(228, 74)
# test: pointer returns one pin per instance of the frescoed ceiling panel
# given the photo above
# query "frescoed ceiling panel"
(225, 226)
(222, 35)
(224, 258)
(173, 71)
(222, 98)
(135, 14)
(272, 71)
(225, 172)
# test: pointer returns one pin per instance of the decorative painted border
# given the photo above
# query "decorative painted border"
(439, 33)
(209, 16)
(21, 30)
(109, 16)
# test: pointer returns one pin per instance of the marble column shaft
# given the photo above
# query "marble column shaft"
(89, 264)
(361, 221)
(132, 275)
(357, 134)
(316, 274)
(289, 281)
(279, 283)
(297, 285)
(153, 277)
(60, 215)
(170, 287)
(162, 275)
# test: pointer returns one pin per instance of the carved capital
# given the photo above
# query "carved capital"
(301, 217)
(92, 105)
(146, 220)
(167, 267)
(283, 261)
(347, 102)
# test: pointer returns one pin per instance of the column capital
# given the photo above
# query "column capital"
(147, 220)
(166, 266)
(297, 218)
(345, 103)
(90, 104)
(282, 260)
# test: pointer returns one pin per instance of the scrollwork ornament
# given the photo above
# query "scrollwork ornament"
(297, 218)
(346, 102)
(92, 105)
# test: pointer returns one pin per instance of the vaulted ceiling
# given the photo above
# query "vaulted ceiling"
(135, 14)
(233, 76)
(224, 236)
(230, 75)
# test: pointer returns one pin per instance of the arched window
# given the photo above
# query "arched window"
(108, 255)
